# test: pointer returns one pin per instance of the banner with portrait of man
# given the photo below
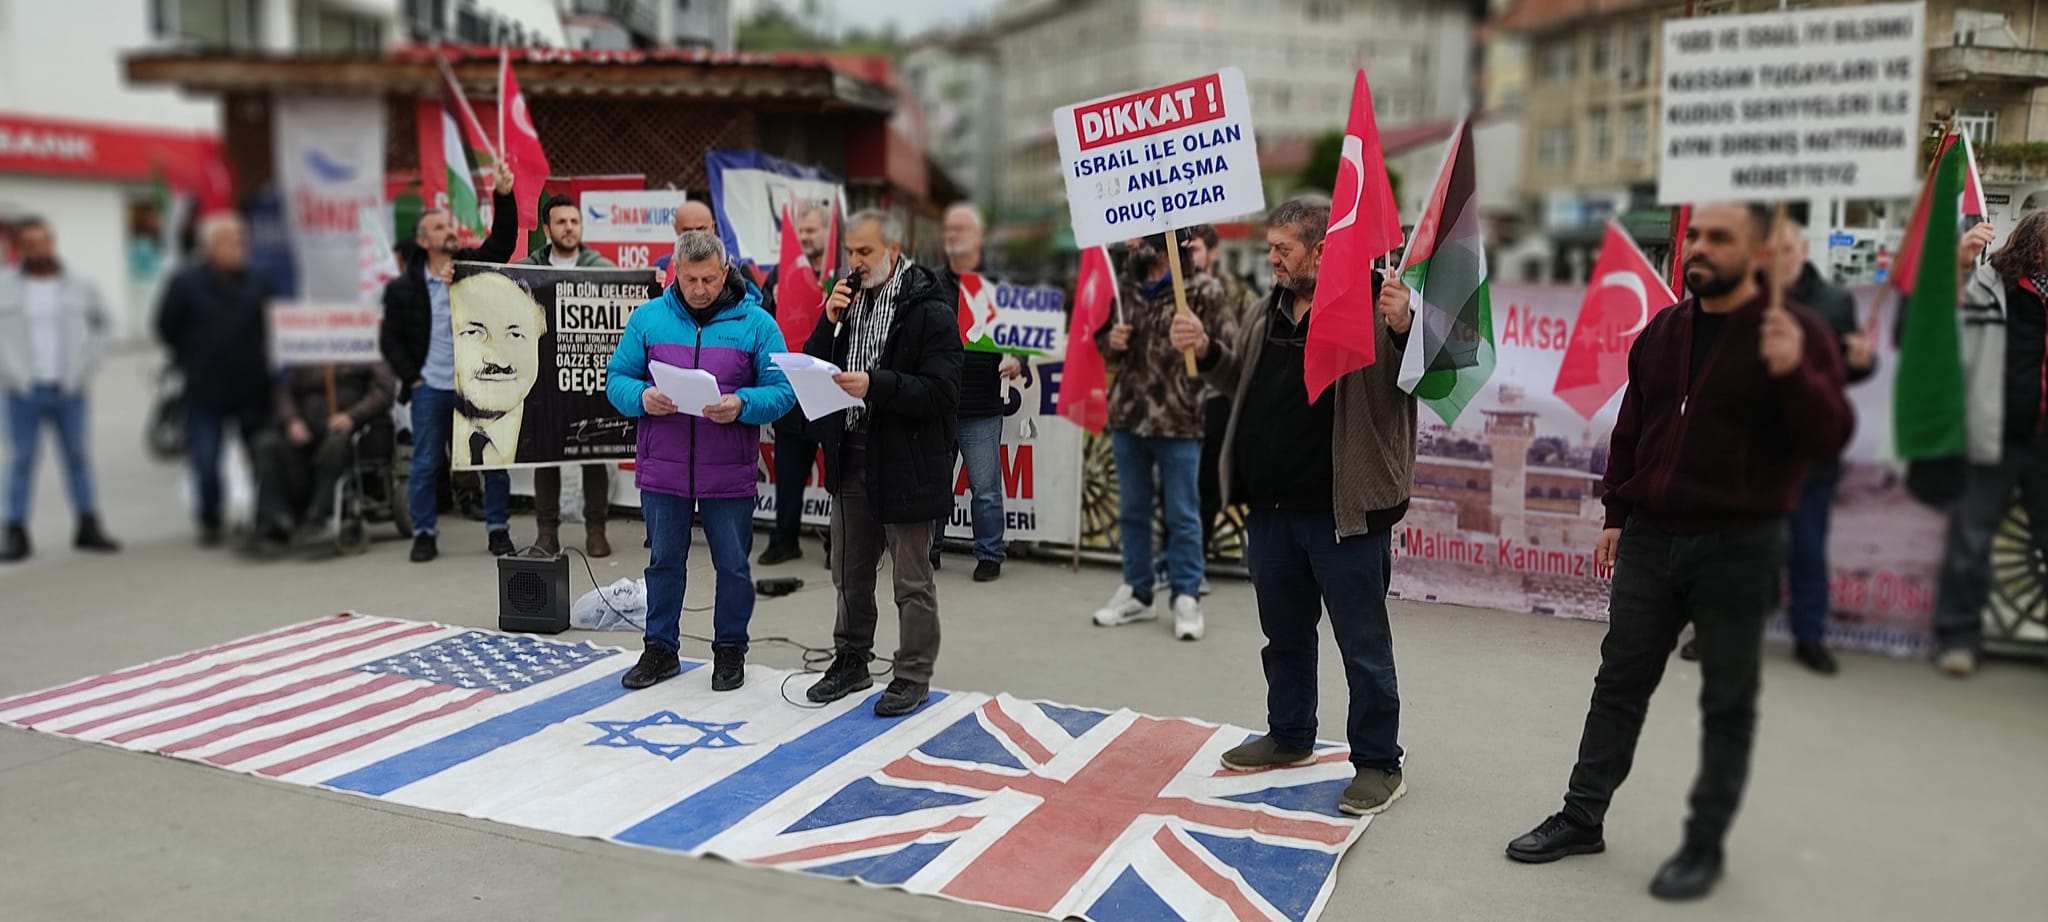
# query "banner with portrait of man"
(531, 343)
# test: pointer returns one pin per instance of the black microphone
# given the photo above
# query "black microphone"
(854, 280)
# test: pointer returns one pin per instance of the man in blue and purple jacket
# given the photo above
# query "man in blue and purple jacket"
(700, 460)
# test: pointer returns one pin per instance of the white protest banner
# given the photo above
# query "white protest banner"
(613, 216)
(1811, 104)
(330, 165)
(321, 334)
(748, 192)
(1160, 159)
(1016, 319)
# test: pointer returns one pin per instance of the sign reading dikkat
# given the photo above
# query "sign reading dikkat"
(531, 345)
(1798, 105)
(1016, 319)
(324, 334)
(1160, 159)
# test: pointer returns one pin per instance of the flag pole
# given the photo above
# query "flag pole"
(1777, 293)
(1180, 294)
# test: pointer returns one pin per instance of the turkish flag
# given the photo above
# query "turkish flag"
(1626, 291)
(1364, 225)
(1084, 381)
(519, 143)
(798, 296)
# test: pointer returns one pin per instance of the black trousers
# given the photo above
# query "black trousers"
(796, 457)
(1215, 419)
(1725, 584)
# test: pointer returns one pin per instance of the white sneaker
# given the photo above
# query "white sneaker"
(1123, 608)
(1187, 619)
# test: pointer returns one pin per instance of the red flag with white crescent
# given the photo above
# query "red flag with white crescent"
(1084, 379)
(1364, 225)
(1624, 293)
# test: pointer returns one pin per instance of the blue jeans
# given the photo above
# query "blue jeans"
(1179, 463)
(981, 450)
(26, 416)
(1298, 568)
(729, 529)
(205, 438)
(1806, 568)
(433, 424)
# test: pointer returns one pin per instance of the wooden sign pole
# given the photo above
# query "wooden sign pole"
(1180, 293)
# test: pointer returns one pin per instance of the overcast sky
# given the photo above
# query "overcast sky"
(909, 16)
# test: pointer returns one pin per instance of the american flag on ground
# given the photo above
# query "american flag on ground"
(297, 698)
(1028, 806)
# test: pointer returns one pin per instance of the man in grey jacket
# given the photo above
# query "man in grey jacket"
(1324, 484)
(53, 331)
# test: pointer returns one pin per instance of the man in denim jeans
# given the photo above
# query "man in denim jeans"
(981, 408)
(1324, 484)
(418, 342)
(1156, 425)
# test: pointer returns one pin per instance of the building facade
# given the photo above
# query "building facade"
(1298, 57)
(613, 25)
(954, 80)
(1592, 107)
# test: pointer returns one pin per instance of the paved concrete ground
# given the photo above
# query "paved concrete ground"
(1887, 793)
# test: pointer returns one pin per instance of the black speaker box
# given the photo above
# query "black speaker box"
(533, 594)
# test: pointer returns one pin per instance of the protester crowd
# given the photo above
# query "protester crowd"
(1723, 464)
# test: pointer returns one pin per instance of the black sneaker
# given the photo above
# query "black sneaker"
(501, 543)
(847, 674)
(655, 665)
(424, 549)
(938, 562)
(1554, 838)
(1690, 652)
(16, 549)
(901, 697)
(780, 553)
(1816, 658)
(1689, 875)
(988, 571)
(728, 668)
(91, 537)
(212, 536)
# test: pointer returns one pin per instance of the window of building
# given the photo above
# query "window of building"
(1603, 52)
(1980, 124)
(1556, 147)
(209, 23)
(1560, 62)
(326, 29)
(1714, 8)
(1602, 139)
(1635, 133)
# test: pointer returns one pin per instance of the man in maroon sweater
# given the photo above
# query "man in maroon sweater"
(1728, 401)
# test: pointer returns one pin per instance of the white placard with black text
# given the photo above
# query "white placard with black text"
(1160, 159)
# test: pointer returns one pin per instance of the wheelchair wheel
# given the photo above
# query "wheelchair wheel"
(397, 479)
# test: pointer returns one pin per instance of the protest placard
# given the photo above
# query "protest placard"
(531, 344)
(1810, 104)
(633, 227)
(1015, 319)
(324, 334)
(1160, 159)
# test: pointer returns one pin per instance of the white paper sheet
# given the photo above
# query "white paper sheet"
(690, 389)
(816, 392)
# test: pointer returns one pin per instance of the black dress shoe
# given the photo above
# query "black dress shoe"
(16, 548)
(1689, 875)
(901, 697)
(1690, 652)
(1816, 658)
(847, 674)
(424, 548)
(988, 571)
(1554, 838)
(779, 553)
(728, 668)
(500, 544)
(656, 664)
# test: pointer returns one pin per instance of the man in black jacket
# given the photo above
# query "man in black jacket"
(212, 319)
(982, 406)
(889, 462)
(419, 344)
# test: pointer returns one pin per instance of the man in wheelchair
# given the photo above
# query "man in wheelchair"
(300, 462)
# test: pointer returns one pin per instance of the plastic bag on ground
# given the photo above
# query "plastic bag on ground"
(621, 606)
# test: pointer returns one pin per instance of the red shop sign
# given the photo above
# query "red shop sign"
(33, 144)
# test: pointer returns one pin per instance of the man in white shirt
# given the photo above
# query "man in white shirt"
(53, 331)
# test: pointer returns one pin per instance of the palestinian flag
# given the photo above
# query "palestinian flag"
(1450, 352)
(1927, 397)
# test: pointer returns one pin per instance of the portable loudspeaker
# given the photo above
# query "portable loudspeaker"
(533, 594)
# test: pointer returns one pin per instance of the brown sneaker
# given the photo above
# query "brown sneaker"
(594, 543)
(1263, 753)
(1371, 792)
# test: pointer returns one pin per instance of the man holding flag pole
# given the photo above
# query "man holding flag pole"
(1321, 447)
